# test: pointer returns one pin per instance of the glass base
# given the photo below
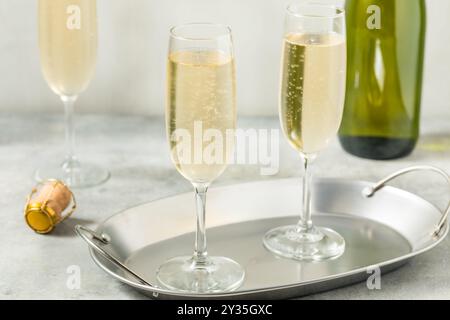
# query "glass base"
(217, 274)
(313, 245)
(74, 174)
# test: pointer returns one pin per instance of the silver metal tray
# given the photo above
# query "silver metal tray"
(383, 226)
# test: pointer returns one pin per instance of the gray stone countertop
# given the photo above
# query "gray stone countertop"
(135, 151)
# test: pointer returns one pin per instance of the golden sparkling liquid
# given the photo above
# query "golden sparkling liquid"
(68, 54)
(312, 89)
(201, 89)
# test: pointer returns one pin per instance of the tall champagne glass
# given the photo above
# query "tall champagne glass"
(311, 104)
(68, 50)
(200, 115)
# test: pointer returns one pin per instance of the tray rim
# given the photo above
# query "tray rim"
(156, 291)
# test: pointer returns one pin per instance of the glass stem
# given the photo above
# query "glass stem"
(69, 102)
(200, 253)
(305, 224)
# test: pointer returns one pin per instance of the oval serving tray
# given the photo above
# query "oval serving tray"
(382, 226)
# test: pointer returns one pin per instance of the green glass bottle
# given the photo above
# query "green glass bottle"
(384, 77)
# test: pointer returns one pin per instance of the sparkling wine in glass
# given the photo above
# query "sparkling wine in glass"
(68, 53)
(200, 118)
(312, 95)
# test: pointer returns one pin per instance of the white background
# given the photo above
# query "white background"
(133, 43)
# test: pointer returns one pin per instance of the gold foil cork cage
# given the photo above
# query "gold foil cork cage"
(47, 205)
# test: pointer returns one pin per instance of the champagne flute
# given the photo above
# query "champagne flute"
(201, 110)
(68, 50)
(311, 106)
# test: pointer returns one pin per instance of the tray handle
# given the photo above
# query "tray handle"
(370, 191)
(91, 237)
